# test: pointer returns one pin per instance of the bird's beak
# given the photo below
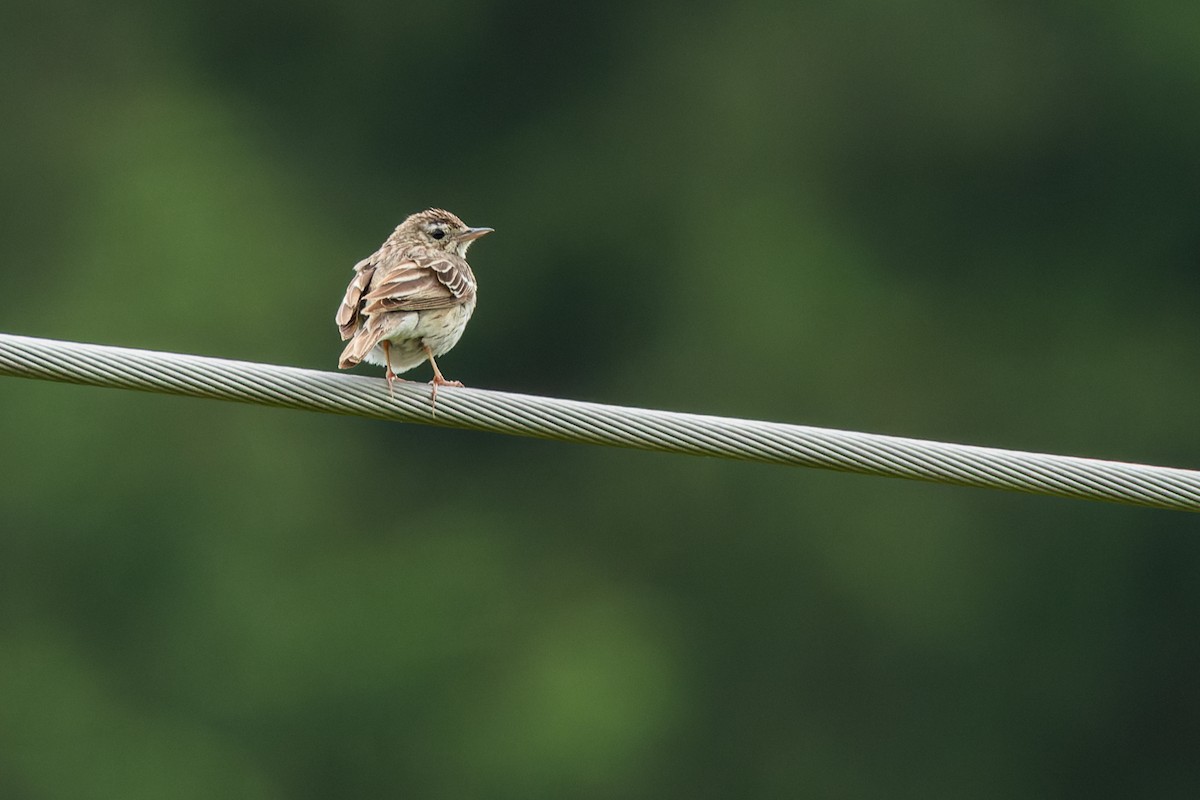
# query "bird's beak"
(471, 234)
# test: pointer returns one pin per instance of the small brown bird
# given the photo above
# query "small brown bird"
(411, 299)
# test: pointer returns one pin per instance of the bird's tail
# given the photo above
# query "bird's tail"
(357, 349)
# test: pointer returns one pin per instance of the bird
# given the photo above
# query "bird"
(410, 300)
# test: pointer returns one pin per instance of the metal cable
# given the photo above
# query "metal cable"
(593, 423)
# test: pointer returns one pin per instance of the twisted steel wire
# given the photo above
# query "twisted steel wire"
(594, 423)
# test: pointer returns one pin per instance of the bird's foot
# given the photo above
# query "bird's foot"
(391, 379)
(437, 381)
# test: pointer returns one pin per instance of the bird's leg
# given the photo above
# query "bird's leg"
(387, 373)
(438, 378)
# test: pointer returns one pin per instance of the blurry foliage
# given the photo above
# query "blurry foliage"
(954, 220)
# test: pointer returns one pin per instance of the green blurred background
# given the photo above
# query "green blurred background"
(963, 221)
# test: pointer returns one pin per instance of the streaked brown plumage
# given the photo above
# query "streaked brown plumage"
(410, 301)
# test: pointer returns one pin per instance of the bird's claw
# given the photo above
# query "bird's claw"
(437, 381)
(393, 378)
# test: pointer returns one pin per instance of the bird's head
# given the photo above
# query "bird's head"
(439, 230)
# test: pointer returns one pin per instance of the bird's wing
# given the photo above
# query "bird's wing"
(420, 284)
(348, 316)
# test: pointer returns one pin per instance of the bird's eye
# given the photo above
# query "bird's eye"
(438, 233)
